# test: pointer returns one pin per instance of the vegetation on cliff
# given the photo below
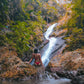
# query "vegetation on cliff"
(22, 22)
(72, 22)
(75, 26)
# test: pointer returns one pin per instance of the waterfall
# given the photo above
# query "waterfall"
(49, 31)
(52, 42)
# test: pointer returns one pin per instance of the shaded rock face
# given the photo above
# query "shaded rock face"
(69, 60)
(12, 67)
(78, 80)
(80, 72)
(69, 65)
(73, 60)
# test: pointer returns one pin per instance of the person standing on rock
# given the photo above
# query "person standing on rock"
(37, 56)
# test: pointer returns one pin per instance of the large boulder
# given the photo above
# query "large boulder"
(12, 67)
(69, 65)
(72, 60)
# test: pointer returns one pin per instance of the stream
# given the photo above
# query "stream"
(47, 52)
(50, 46)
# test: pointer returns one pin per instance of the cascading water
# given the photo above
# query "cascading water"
(52, 42)
(47, 78)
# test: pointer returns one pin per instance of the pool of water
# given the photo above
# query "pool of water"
(39, 81)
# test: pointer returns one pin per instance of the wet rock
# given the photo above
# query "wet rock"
(78, 80)
(67, 74)
(55, 76)
(54, 69)
(80, 72)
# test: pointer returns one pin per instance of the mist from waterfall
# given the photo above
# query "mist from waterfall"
(63, 1)
(52, 42)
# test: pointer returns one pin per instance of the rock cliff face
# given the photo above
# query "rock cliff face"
(21, 19)
(73, 60)
(12, 67)
(69, 65)
(69, 60)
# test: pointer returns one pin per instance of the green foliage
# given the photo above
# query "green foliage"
(19, 36)
(22, 23)
(3, 10)
(2, 40)
(75, 26)
(26, 4)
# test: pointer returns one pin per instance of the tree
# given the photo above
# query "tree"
(75, 25)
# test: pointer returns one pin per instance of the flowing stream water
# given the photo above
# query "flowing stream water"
(52, 42)
(46, 54)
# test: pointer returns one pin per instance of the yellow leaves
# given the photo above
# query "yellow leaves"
(76, 30)
(31, 37)
(40, 4)
(30, 7)
(38, 31)
(49, 8)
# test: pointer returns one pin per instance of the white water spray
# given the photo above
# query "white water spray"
(52, 42)
(49, 31)
(63, 1)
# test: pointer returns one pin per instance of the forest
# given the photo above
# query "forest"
(56, 27)
(75, 26)
(20, 20)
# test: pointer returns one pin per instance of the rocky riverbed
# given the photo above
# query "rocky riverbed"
(64, 68)
(69, 65)
(12, 67)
